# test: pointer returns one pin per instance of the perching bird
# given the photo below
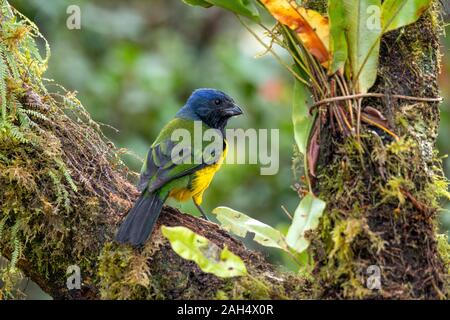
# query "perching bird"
(162, 177)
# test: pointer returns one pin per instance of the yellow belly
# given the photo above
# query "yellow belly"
(200, 182)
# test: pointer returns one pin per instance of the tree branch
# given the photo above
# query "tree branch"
(64, 190)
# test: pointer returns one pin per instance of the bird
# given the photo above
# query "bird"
(162, 176)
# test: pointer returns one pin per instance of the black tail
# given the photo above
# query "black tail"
(139, 222)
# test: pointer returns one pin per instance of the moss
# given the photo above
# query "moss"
(64, 189)
(318, 5)
(160, 273)
(352, 236)
(385, 194)
(444, 250)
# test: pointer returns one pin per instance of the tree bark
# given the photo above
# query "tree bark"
(386, 197)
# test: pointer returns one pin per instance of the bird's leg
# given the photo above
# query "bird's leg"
(201, 211)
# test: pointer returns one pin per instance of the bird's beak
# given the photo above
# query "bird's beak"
(233, 110)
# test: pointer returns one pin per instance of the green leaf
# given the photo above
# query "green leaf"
(208, 256)
(301, 119)
(306, 218)
(338, 42)
(240, 224)
(399, 13)
(201, 3)
(245, 8)
(363, 36)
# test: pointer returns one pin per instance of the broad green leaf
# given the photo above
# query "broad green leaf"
(306, 218)
(243, 7)
(240, 224)
(399, 13)
(338, 42)
(301, 119)
(208, 256)
(363, 36)
(201, 3)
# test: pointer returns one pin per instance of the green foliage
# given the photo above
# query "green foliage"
(48, 217)
(67, 175)
(201, 3)
(301, 118)
(3, 74)
(245, 8)
(15, 255)
(302, 121)
(444, 251)
(18, 126)
(208, 256)
(357, 26)
(306, 219)
(363, 33)
(338, 41)
(241, 224)
(2, 225)
(399, 13)
(136, 79)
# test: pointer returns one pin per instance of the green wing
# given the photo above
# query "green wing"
(161, 167)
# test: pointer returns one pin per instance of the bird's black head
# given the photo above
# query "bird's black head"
(211, 106)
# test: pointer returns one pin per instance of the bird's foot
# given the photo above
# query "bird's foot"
(202, 212)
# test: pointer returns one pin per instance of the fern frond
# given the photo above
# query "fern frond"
(62, 196)
(24, 120)
(2, 225)
(12, 64)
(4, 158)
(17, 134)
(15, 229)
(15, 255)
(36, 114)
(3, 76)
(67, 175)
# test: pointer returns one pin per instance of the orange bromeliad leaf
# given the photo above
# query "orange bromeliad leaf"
(312, 28)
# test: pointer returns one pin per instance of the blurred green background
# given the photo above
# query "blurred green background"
(134, 63)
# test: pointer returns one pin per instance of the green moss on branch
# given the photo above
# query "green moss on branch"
(382, 206)
(64, 189)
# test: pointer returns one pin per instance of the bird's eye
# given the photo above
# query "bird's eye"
(217, 102)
